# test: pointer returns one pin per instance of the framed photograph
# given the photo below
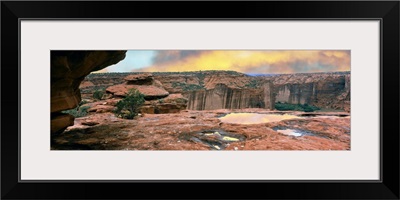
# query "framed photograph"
(300, 98)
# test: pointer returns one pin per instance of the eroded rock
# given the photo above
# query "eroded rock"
(68, 69)
(178, 131)
(324, 90)
(60, 122)
(144, 83)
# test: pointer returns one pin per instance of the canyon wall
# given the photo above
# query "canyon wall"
(68, 70)
(205, 89)
(233, 90)
(224, 97)
(324, 90)
(209, 90)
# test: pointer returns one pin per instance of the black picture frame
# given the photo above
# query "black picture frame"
(386, 11)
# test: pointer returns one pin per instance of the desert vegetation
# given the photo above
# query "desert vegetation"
(128, 107)
(79, 111)
(297, 107)
(98, 94)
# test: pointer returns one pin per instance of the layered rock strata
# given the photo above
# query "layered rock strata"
(68, 70)
(158, 100)
(324, 90)
(224, 97)
(144, 83)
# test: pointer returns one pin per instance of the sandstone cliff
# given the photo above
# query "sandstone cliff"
(224, 97)
(325, 90)
(210, 90)
(68, 69)
(175, 82)
(205, 90)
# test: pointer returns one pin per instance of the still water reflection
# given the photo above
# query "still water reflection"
(254, 118)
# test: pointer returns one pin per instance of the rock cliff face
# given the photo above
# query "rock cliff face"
(224, 97)
(210, 90)
(205, 90)
(189, 81)
(325, 90)
(234, 90)
(68, 69)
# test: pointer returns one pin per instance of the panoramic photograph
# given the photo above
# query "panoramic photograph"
(208, 100)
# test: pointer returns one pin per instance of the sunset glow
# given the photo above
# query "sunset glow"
(263, 62)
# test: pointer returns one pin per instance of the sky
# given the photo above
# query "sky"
(249, 62)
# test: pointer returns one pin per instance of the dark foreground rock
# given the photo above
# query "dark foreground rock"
(68, 69)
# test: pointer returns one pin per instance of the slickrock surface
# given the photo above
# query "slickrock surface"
(203, 130)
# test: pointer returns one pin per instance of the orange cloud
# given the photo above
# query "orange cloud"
(258, 61)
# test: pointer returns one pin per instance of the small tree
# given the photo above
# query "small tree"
(129, 106)
(98, 94)
(79, 111)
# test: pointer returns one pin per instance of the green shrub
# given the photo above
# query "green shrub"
(82, 102)
(128, 107)
(187, 87)
(79, 111)
(98, 94)
(252, 84)
(298, 107)
(181, 100)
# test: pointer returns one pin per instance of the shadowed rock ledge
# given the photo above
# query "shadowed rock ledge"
(68, 69)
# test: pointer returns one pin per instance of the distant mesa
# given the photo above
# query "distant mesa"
(326, 90)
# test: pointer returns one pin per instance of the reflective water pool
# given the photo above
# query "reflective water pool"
(254, 118)
(295, 132)
(215, 139)
(291, 132)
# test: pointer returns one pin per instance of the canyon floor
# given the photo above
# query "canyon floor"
(206, 130)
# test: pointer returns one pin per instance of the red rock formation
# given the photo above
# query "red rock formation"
(325, 90)
(173, 103)
(175, 98)
(68, 69)
(163, 108)
(86, 84)
(139, 79)
(144, 83)
(176, 132)
(224, 97)
(159, 101)
(59, 121)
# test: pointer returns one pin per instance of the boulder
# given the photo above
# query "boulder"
(139, 79)
(175, 98)
(60, 122)
(163, 108)
(173, 103)
(89, 123)
(149, 91)
(119, 90)
(112, 102)
(86, 84)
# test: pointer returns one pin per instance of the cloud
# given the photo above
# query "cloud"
(174, 55)
(251, 61)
